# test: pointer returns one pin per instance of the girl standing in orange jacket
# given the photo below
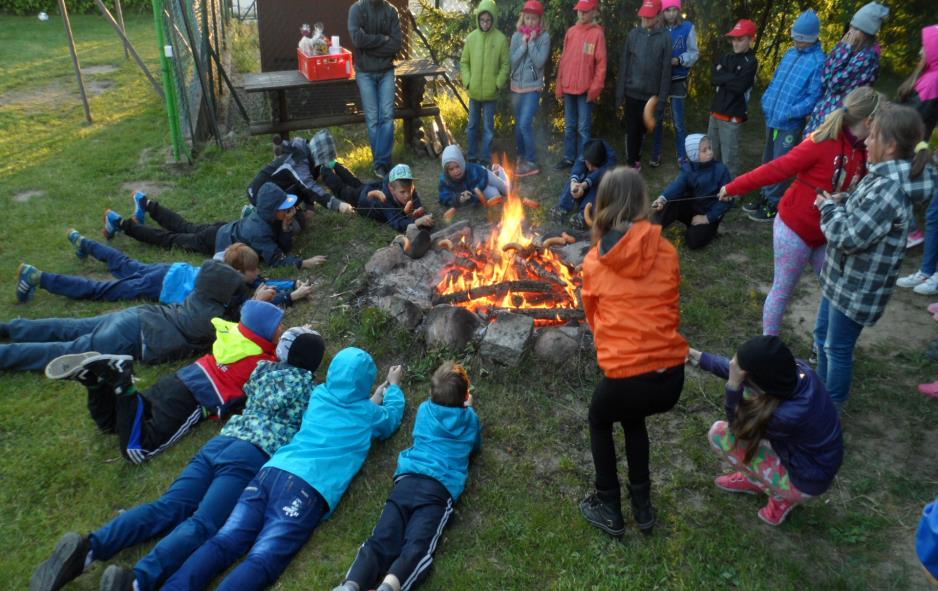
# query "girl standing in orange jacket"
(630, 295)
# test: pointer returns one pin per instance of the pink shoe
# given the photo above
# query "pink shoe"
(930, 390)
(736, 483)
(775, 512)
(933, 308)
(915, 238)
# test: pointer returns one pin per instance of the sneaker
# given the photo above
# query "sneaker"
(380, 171)
(527, 169)
(564, 164)
(557, 214)
(116, 578)
(927, 287)
(654, 162)
(75, 238)
(766, 214)
(27, 280)
(578, 221)
(116, 370)
(140, 207)
(112, 223)
(736, 483)
(915, 238)
(775, 511)
(753, 206)
(71, 367)
(603, 515)
(247, 210)
(930, 390)
(66, 563)
(933, 308)
(912, 280)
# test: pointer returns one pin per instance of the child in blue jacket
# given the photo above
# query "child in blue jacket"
(392, 200)
(430, 477)
(460, 181)
(303, 482)
(695, 192)
(598, 158)
(203, 495)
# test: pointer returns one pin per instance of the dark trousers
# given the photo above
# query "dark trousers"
(634, 129)
(683, 211)
(343, 184)
(187, 514)
(145, 423)
(629, 401)
(406, 535)
(176, 231)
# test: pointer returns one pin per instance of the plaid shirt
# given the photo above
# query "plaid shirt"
(794, 89)
(866, 239)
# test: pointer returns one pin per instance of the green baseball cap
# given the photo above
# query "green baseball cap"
(400, 172)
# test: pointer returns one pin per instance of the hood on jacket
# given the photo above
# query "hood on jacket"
(489, 7)
(631, 253)
(452, 153)
(269, 199)
(351, 375)
(218, 282)
(917, 190)
(449, 421)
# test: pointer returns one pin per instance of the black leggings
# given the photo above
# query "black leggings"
(629, 401)
(176, 232)
(683, 211)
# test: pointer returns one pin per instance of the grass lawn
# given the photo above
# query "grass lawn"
(517, 525)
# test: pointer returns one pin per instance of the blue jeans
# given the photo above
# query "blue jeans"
(569, 204)
(680, 133)
(777, 143)
(377, 94)
(484, 110)
(525, 106)
(930, 256)
(134, 279)
(577, 118)
(274, 517)
(37, 342)
(190, 512)
(836, 337)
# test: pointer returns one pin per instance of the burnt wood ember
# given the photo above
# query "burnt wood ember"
(540, 313)
(497, 289)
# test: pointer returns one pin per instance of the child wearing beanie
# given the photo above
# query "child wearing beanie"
(691, 198)
(148, 422)
(203, 495)
(598, 158)
(782, 433)
(461, 183)
(853, 62)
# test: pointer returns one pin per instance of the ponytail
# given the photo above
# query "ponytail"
(908, 85)
(860, 103)
(752, 420)
(920, 159)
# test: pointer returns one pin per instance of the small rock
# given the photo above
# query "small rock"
(557, 345)
(405, 312)
(573, 254)
(450, 327)
(384, 259)
(506, 337)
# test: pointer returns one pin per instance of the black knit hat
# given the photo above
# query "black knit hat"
(770, 365)
(306, 351)
(594, 152)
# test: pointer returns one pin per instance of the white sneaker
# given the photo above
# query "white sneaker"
(928, 287)
(912, 280)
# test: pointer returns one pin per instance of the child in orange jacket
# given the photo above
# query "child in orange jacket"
(580, 79)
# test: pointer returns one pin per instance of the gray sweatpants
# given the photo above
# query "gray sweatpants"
(724, 137)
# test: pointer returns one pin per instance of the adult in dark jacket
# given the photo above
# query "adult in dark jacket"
(691, 198)
(783, 435)
(151, 333)
(375, 29)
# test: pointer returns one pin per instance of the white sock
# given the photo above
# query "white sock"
(88, 559)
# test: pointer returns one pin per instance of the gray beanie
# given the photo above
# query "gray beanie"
(869, 19)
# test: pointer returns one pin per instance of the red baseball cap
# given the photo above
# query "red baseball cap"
(533, 7)
(586, 5)
(650, 8)
(743, 28)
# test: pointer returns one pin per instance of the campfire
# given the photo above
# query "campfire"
(512, 272)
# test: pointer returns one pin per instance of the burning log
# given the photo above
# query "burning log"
(543, 273)
(497, 289)
(543, 298)
(542, 313)
(449, 230)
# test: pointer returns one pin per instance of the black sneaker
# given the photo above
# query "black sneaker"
(116, 578)
(380, 171)
(116, 370)
(603, 515)
(71, 367)
(564, 164)
(766, 214)
(642, 510)
(66, 563)
(753, 206)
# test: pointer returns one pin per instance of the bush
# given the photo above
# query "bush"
(33, 7)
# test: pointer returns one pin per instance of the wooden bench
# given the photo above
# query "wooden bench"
(298, 104)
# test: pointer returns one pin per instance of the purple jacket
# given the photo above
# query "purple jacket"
(804, 431)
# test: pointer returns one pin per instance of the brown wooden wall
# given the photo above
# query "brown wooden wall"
(278, 24)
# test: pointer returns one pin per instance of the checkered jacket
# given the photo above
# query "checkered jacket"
(794, 89)
(866, 238)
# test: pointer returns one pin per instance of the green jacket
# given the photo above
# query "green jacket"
(484, 63)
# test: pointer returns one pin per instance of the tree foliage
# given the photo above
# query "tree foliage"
(33, 7)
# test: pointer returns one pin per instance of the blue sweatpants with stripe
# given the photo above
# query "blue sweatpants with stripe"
(406, 535)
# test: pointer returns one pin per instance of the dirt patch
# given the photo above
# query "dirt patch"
(102, 69)
(37, 100)
(26, 196)
(737, 258)
(151, 188)
(96, 87)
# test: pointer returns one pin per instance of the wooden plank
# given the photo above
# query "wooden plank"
(286, 79)
(268, 127)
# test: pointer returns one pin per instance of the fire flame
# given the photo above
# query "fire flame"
(508, 254)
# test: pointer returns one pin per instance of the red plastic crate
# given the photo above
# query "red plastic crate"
(325, 67)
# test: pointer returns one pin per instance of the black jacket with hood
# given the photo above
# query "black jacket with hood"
(177, 331)
(261, 230)
(375, 29)
(645, 66)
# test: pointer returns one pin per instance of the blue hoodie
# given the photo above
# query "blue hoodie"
(475, 176)
(338, 427)
(701, 180)
(261, 230)
(179, 282)
(444, 437)
(794, 89)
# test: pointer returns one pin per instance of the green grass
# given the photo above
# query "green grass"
(517, 526)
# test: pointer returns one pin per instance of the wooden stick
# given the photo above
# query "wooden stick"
(71, 48)
(542, 313)
(107, 15)
(120, 20)
(497, 289)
